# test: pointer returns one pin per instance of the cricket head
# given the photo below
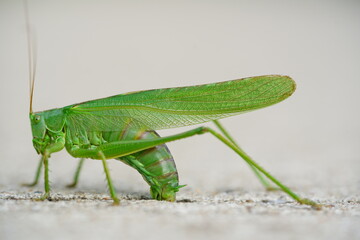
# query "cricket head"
(38, 126)
(38, 129)
(44, 126)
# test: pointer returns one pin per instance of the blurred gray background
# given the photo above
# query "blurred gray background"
(93, 49)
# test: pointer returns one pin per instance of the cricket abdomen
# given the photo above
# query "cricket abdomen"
(157, 168)
(156, 165)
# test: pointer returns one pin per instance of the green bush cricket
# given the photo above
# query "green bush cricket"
(122, 127)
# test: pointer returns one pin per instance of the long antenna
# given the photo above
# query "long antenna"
(31, 55)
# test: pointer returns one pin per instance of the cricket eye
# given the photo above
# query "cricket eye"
(37, 118)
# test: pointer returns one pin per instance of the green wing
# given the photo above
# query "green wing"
(182, 106)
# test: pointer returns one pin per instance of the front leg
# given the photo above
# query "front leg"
(45, 160)
(56, 145)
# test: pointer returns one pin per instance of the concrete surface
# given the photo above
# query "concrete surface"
(89, 49)
(227, 215)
